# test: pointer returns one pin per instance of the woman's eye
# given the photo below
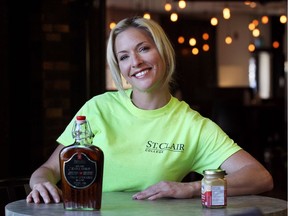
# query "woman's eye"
(123, 57)
(143, 49)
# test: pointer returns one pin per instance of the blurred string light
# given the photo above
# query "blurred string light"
(192, 41)
(214, 21)
(251, 47)
(168, 7)
(147, 15)
(205, 36)
(182, 4)
(181, 39)
(226, 13)
(205, 47)
(174, 17)
(228, 39)
(275, 44)
(195, 51)
(283, 19)
(264, 19)
(112, 25)
(251, 4)
(256, 32)
(251, 26)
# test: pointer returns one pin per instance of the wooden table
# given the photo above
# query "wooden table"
(121, 204)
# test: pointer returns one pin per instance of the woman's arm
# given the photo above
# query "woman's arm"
(43, 181)
(245, 175)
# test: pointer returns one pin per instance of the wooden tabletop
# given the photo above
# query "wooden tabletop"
(121, 204)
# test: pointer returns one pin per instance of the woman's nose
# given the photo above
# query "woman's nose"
(136, 61)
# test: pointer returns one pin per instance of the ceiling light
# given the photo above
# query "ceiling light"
(228, 40)
(167, 7)
(214, 21)
(174, 17)
(226, 13)
(182, 4)
(283, 19)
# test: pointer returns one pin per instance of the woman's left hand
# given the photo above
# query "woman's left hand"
(170, 189)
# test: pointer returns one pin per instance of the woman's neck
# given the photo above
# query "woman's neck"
(150, 100)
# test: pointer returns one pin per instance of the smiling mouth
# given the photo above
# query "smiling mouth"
(141, 74)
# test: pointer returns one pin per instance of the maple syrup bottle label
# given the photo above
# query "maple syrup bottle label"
(79, 171)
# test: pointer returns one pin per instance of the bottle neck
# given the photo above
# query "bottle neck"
(82, 133)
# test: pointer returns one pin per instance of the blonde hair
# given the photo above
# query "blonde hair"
(159, 37)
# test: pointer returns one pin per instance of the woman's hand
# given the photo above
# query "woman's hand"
(46, 191)
(170, 189)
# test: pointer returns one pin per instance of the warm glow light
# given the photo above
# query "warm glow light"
(147, 16)
(283, 19)
(228, 40)
(255, 22)
(251, 26)
(265, 19)
(181, 39)
(205, 36)
(192, 41)
(195, 51)
(247, 3)
(275, 44)
(253, 5)
(214, 21)
(182, 4)
(174, 17)
(112, 25)
(256, 32)
(168, 7)
(205, 47)
(251, 47)
(226, 13)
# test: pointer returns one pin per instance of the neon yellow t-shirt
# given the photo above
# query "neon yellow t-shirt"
(144, 147)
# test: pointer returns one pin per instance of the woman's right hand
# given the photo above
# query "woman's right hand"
(46, 192)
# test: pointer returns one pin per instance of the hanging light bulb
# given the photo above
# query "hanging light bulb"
(112, 25)
(147, 16)
(192, 41)
(181, 39)
(168, 7)
(195, 51)
(174, 17)
(264, 19)
(226, 13)
(182, 4)
(251, 26)
(256, 32)
(214, 21)
(283, 19)
(205, 36)
(251, 47)
(275, 44)
(255, 22)
(205, 47)
(228, 40)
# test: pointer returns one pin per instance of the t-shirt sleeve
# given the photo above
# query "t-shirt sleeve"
(214, 147)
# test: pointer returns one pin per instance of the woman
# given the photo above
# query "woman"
(150, 139)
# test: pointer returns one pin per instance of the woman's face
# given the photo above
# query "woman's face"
(139, 60)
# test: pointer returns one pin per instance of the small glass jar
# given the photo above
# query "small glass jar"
(214, 189)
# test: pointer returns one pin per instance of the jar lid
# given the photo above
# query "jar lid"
(214, 171)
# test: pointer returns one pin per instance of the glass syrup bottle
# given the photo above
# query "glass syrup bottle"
(81, 167)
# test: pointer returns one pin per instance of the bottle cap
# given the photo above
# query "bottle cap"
(80, 117)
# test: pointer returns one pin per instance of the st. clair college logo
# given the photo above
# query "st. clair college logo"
(155, 147)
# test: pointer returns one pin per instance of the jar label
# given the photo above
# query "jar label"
(80, 171)
(213, 196)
